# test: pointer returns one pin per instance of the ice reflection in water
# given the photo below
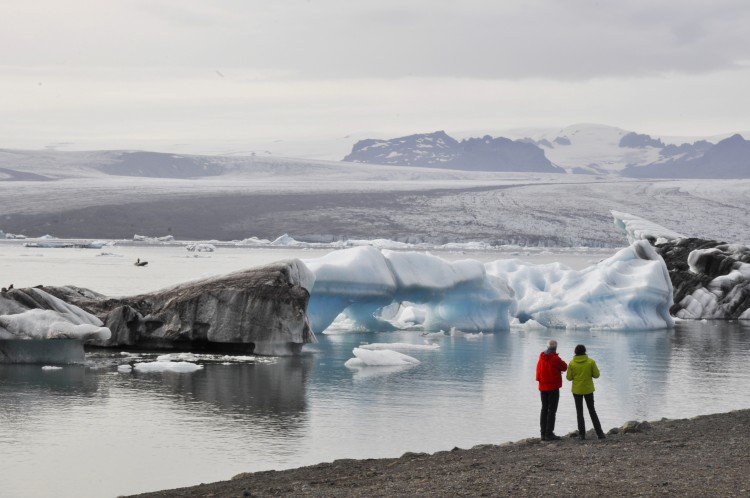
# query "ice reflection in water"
(90, 431)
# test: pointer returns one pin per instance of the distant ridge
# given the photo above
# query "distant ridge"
(438, 150)
(577, 149)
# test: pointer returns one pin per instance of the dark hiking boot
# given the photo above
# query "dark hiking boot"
(552, 437)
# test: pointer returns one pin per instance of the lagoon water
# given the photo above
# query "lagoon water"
(91, 431)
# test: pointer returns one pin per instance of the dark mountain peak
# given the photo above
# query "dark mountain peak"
(734, 140)
(638, 141)
(439, 150)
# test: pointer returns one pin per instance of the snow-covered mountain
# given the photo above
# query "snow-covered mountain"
(592, 149)
(438, 150)
(582, 148)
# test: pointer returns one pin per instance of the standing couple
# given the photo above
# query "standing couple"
(582, 371)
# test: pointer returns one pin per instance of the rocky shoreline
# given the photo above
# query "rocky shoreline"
(703, 456)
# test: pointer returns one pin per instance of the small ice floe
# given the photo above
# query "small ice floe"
(50, 367)
(167, 366)
(379, 358)
(200, 247)
(466, 335)
(177, 357)
(403, 346)
(215, 358)
(433, 336)
(124, 368)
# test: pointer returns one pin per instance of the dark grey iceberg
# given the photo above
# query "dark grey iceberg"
(37, 327)
(260, 310)
(710, 279)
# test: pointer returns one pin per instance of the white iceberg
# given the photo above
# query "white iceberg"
(379, 358)
(630, 290)
(167, 366)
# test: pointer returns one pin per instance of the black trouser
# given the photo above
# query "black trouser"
(550, 399)
(592, 413)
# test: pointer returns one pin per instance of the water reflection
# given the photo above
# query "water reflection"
(225, 419)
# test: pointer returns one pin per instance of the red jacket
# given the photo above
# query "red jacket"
(549, 370)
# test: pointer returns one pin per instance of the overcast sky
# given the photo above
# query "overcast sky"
(207, 76)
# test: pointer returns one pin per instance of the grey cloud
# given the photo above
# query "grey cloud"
(574, 40)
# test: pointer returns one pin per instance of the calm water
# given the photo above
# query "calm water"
(90, 431)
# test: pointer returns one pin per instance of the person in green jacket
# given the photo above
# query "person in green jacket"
(582, 370)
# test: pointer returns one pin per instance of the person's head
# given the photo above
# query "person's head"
(580, 349)
(552, 345)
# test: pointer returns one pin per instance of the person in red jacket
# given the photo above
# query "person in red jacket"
(549, 370)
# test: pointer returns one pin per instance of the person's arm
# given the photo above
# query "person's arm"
(538, 368)
(594, 370)
(561, 365)
(569, 375)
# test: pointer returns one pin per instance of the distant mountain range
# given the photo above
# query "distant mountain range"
(577, 149)
(438, 150)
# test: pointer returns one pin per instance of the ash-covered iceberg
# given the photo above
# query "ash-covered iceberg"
(260, 310)
(37, 327)
(711, 279)
(361, 282)
(630, 290)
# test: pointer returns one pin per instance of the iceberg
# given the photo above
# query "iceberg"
(379, 358)
(200, 247)
(165, 366)
(711, 279)
(259, 310)
(403, 346)
(630, 290)
(362, 282)
(637, 228)
(381, 289)
(36, 326)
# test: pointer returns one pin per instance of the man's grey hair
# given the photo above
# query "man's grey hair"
(552, 344)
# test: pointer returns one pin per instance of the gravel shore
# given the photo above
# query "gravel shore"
(702, 456)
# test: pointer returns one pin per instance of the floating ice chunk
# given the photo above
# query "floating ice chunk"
(466, 335)
(630, 290)
(177, 357)
(50, 367)
(637, 228)
(167, 366)
(285, 240)
(201, 247)
(124, 368)
(362, 282)
(434, 335)
(376, 358)
(404, 346)
(48, 324)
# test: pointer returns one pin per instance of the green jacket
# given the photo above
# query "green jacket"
(582, 370)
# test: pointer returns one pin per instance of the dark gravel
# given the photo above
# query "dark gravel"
(702, 456)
